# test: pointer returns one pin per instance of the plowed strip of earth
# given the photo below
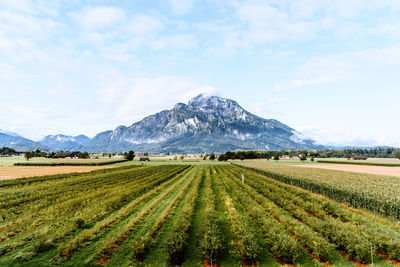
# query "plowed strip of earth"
(13, 172)
(379, 170)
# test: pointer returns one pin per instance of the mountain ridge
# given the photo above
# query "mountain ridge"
(205, 124)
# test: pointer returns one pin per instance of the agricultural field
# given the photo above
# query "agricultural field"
(378, 193)
(378, 170)
(13, 172)
(190, 215)
(370, 161)
(10, 161)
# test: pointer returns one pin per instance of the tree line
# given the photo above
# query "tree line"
(304, 154)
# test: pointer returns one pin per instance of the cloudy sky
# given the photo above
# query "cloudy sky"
(330, 69)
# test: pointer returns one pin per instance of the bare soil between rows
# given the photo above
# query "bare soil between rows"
(14, 172)
(379, 170)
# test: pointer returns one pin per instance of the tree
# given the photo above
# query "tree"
(130, 155)
(28, 155)
(212, 156)
(223, 157)
(241, 158)
(396, 154)
(83, 155)
(176, 158)
(276, 158)
(182, 157)
(303, 157)
(109, 155)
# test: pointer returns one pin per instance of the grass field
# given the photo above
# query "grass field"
(184, 214)
(377, 193)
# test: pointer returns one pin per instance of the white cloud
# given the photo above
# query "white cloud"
(100, 17)
(181, 7)
(134, 98)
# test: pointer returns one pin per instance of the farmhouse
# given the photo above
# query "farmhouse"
(144, 159)
(357, 158)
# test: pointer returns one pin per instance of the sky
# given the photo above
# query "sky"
(329, 69)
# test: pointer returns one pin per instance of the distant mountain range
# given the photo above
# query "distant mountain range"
(20, 143)
(205, 124)
(65, 142)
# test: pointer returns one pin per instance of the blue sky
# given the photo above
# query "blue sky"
(329, 69)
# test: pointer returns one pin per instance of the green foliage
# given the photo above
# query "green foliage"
(28, 155)
(129, 155)
(212, 156)
(80, 223)
(6, 151)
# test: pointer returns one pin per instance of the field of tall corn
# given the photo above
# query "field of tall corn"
(183, 215)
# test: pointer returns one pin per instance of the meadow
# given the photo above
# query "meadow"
(183, 214)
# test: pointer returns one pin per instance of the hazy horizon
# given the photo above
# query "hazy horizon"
(328, 69)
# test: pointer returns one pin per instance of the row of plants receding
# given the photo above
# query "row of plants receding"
(244, 239)
(141, 246)
(75, 209)
(119, 236)
(64, 200)
(211, 240)
(349, 232)
(308, 238)
(144, 193)
(177, 239)
(276, 238)
(353, 198)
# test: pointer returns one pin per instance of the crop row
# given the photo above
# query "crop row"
(349, 232)
(211, 241)
(59, 216)
(379, 194)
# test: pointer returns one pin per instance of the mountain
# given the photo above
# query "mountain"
(20, 143)
(8, 133)
(205, 124)
(65, 142)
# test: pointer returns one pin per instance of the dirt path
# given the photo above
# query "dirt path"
(379, 170)
(13, 172)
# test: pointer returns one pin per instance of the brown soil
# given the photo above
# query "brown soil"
(13, 172)
(206, 263)
(309, 213)
(386, 257)
(379, 170)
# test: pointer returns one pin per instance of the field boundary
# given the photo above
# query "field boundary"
(353, 199)
(70, 163)
(359, 163)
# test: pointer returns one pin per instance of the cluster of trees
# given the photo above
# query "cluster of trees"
(369, 153)
(6, 151)
(129, 155)
(304, 154)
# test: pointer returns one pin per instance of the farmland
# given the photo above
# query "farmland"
(10, 161)
(183, 214)
(12, 172)
(378, 193)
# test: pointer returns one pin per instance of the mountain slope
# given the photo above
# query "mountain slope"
(65, 142)
(20, 143)
(205, 124)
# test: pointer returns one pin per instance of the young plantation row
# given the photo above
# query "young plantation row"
(378, 193)
(183, 215)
